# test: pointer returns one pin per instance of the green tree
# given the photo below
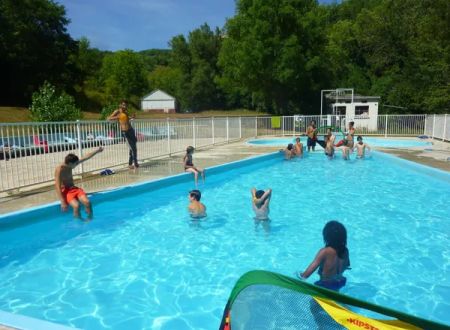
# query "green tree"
(155, 57)
(274, 52)
(165, 78)
(107, 110)
(122, 76)
(34, 47)
(88, 89)
(49, 105)
(406, 45)
(196, 62)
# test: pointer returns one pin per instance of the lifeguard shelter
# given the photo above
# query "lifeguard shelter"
(158, 101)
(343, 103)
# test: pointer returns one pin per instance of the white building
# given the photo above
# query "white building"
(158, 101)
(363, 110)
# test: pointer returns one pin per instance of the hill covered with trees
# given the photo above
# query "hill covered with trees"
(273, 55)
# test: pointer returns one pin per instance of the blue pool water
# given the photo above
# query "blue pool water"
(371, 141)
(143, 263)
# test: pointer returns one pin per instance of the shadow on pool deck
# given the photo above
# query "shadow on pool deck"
(435, 156)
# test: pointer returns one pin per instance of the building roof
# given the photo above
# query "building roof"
(158, 95)
(356, 98)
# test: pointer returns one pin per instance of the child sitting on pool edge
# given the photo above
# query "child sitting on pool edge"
(67, 192)
(196, 208)
(189, 165)
(332, 260)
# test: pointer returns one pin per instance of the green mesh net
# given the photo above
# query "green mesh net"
(266, 300)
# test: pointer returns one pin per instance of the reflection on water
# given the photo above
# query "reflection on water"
(264, 224)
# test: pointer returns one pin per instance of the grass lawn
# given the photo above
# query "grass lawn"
(17, 114)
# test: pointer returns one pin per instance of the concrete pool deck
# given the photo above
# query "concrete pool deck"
(436, 156)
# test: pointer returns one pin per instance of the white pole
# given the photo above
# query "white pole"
(282, 126)
(80, 150)
(293, 125)
(193, 132)
(168, 136)
(385, 126)
(321, 101)
(228, 133)
(445, 127)
(240, 128)
(212, 131)
(256, 126)
(434, 124)
(425, 125)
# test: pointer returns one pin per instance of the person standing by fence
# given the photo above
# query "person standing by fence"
(121, 114)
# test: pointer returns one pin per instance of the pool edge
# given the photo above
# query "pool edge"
(22, 322)
(148, 184)
(415, 166)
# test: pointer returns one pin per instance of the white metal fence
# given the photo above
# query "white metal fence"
(29, 152)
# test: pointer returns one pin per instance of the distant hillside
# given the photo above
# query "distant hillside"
(154, 57)
(17, 115)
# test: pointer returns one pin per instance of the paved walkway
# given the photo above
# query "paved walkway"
(435, 156)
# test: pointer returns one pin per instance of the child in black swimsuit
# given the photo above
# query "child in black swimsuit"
(189, 165)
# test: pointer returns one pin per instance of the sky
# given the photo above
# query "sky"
(142, 24)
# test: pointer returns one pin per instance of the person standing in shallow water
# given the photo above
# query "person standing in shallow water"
(196, 208)
(260, 203)
(121, 114)
(332, 260)
(311, 132)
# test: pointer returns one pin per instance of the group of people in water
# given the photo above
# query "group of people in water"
(347, 145)
(332, 260)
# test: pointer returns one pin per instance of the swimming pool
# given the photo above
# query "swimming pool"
(143, 263)
(371, 141)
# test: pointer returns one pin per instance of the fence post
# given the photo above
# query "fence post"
(80, 149)
(240, 127)
(293, 125)
(256, 127)
(434, 124)
(385, 126)
(282, 126)
(228, 133)
(212, 131)
(168, 136)
(193, 132)
(425, 125)
(445, 127)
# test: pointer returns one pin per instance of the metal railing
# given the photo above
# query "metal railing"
(29, 152)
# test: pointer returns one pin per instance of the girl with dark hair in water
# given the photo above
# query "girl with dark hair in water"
(333, 259)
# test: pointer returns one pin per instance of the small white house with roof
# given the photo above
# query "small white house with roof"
(363, 110)
(158, 101)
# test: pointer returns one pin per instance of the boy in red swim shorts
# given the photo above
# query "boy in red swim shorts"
(66, 190)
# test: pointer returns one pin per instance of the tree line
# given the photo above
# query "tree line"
(273, 55)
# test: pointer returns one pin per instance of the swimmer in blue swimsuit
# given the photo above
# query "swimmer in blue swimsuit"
(333, 259)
